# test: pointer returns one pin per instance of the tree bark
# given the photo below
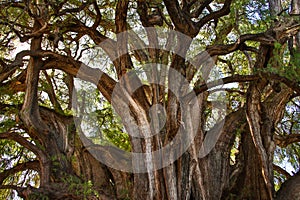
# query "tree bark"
(290, 189)
(69, 164)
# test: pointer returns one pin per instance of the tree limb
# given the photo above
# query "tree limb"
(285, 140)
(66, 63)
(123, 58)
(197, 12)
(98, 16)
(51, 93)
(281, 171)
(9, 69)
(235, 78)
(22, 141)
(43, 159)
(77, 69)
(33, 165)
(181, 21)
(218, 49)
(38, 33)
(267, 38)
(225, 10)
(74, 10)
(253, 114)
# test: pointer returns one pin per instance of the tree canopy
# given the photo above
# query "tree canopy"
(141, 99)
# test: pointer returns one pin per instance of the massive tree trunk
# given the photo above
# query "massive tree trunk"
(180, 146)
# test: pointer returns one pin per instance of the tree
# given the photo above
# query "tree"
(149, 99)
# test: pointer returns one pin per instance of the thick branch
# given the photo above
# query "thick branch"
(51, 93)
(123, 58)
(143, 12)
(30, 110)
(275, 7)
(10, 187)
(253, 114)
(9, 69)
(13, 187)
(25, 143)
(291, 84)
(263, 38)
(266, 38)
(295, 7)
(201, 8)
(232, 79)
(98, 16)
(33, 165)
(77, 69)
(232, 122)
(281, 171)
(38, 33)
(74, 10)
(215, 15)
(107, 44)
(198, 89)
(180, 19)
(284, 140)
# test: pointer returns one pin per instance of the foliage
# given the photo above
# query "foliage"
(51, 113)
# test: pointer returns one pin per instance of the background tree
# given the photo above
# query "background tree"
(255, 50)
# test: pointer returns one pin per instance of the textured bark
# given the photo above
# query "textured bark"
(290, 190)
(67, 161)
(275, 7)
(295, 7)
